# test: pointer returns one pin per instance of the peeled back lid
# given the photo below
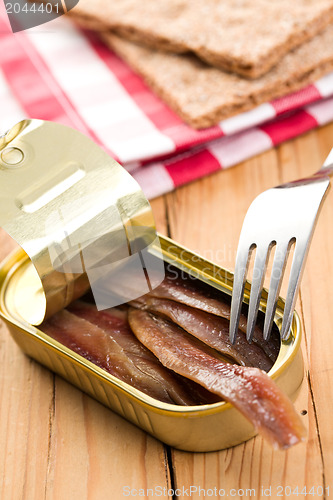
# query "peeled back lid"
(80, 217)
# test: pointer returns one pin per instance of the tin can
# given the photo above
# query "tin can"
(31, 288)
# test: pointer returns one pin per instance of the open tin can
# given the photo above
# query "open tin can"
(74, 210)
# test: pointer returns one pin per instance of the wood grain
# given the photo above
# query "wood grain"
(57, 443)
(317, 301)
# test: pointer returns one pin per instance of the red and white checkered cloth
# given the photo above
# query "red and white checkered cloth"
(58, 72)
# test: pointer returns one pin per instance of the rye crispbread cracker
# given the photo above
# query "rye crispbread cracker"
(247, 37)
(202, 95)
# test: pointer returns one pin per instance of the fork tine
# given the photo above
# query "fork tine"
(297, 267)
(242, 264)
(259, 270)
(279, 264)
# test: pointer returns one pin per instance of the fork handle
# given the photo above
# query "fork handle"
(325, 172)
(327, 168)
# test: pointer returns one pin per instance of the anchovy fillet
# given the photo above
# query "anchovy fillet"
(194, 293)
(249, 389)
(209, 328)
(116, 350)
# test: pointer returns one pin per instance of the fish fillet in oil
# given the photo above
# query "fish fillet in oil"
(119, 352)
(194, 293)
(211, 329)
(249, 389)
(114, 322)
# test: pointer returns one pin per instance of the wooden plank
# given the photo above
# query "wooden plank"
(57, 442)
(95, 453)
(207, 216)
(26, 396)
(317, 300)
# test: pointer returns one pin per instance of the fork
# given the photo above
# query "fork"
(282, 217)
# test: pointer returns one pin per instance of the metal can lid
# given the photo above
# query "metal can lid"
(79, 215)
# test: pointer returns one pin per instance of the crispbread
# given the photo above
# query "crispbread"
(202, 95)
(244, 36)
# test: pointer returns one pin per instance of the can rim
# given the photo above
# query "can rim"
(287, 354)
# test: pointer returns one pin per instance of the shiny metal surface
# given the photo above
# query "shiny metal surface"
(280, 217)
(196, 428)
(73, 209)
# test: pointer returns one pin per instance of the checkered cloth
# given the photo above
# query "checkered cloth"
(61, 73)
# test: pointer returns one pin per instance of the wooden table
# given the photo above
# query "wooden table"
(57, 443)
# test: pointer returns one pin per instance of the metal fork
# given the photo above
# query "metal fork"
(280, 217)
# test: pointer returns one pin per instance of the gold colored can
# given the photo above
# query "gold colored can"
(31, 288)
(197, 428)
